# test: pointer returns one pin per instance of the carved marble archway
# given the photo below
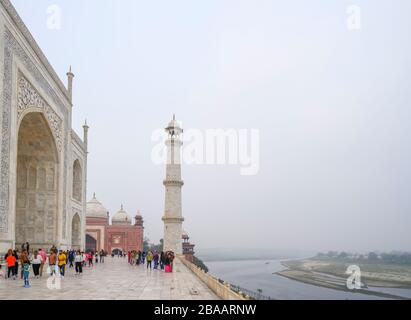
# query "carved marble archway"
(37, 182)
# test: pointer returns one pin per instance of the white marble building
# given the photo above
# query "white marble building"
(42, 160)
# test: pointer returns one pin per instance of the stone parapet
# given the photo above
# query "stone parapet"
(223, 291)
(76, 139)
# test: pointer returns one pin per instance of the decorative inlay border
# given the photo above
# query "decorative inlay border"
(5, 141)
(28, 97)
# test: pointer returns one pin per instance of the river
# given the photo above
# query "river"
(257, 274)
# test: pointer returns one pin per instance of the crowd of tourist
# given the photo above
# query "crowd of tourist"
(153, 259)
(55, 262)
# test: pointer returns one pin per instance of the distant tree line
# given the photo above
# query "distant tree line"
(403, 258)
(147, 245)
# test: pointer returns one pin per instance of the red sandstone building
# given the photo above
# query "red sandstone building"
(119, 236)
(188, 248)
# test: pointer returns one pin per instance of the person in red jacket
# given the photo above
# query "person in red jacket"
(11, 263)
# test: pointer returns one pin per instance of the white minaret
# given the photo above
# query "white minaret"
(173, 219)
(70, 77)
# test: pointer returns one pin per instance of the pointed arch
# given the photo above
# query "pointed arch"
(77, 181)
(37, 167)
(76, 232)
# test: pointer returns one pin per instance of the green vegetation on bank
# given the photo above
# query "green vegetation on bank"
(395, 258)
(199, 263)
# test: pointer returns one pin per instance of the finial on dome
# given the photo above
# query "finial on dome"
(174, 117)
(94, 195)
(122, 208)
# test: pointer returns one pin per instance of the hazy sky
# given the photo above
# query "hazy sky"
(332, 106)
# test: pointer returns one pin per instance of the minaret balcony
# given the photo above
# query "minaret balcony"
(177, 183)
(173, 219)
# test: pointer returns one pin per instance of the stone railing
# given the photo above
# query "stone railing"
(222, 290)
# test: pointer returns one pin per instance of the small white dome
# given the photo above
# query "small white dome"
(174, 127)
(95, 209)
(121, 217)
(173, 124)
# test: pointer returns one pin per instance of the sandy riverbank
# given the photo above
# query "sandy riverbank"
(331, 274)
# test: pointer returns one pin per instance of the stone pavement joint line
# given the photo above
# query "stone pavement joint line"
(113, 280)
